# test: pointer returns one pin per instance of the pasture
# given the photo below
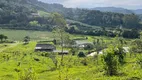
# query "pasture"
(20, 61)
(18, 35)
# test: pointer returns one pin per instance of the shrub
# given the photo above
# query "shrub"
(28, 74)
(110, 62)
(84, 62)
(81, 54)
(89, 46)
(139, 61)
(120, 53)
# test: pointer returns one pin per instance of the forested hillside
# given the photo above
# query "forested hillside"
(21, 14)
(113, 9)
(93, 17)
(28, 14)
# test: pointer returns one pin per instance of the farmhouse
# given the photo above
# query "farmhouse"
(45, 47)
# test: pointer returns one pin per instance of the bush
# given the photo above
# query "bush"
(84, 62)
(28, 74)
(110, 62)
(139, 61)
(89, 46)
(120, 53)
(81, 54)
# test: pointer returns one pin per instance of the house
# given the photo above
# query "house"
(82, 43)
(45, 47)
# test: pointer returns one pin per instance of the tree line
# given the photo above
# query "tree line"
(117, 32)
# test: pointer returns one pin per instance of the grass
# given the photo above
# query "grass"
(17, 58)
(72, 70)
(18, 35)
(44, 14)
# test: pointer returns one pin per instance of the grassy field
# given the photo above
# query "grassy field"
(18, 35)
(18, 61)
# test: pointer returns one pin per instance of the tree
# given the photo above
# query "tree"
(136, 46)
(1, 37)
(26, 39)
(81, 54)
(119, 52)
(60, 25)
(55, 41)
(131, 34)
(99, 45)
(5, 38)
(131, 21)
(34, 23)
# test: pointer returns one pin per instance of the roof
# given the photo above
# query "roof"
(45, 46)
(83, 42)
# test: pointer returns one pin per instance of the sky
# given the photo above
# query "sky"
(128, 4)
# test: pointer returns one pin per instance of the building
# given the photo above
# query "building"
(45, 47)
(82, 43)
(49, 48)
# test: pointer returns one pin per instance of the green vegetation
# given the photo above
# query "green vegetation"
(21, 59)
(35, 15)
(18, 35)
(110, 52)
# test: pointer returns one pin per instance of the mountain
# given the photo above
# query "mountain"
(23, 14)
(33, 14)
(118, 10)
(113, 9)
(138, 11)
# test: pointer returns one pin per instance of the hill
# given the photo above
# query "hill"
(21, 14)
(118, 10)
(113, 9)
(30, 14)
(138, 11)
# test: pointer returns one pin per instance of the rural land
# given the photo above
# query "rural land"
(48, 41)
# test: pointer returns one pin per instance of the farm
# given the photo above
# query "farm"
(19, 61)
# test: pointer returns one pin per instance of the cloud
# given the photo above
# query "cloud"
(130, 4)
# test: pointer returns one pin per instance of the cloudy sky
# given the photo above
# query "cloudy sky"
(129, 4)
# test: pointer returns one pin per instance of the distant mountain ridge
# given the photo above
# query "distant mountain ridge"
(113, 9)
(118, 10)
(138, 11)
